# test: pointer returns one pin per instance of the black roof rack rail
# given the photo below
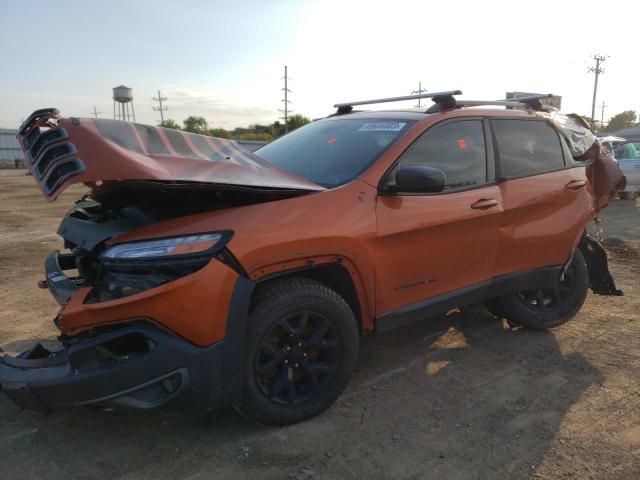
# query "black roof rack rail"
(527, 98)
(446, 101)
(505, 103)
(442, 102)
(347, 107)
(532, 101)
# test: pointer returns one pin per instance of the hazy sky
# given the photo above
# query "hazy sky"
(224, 60)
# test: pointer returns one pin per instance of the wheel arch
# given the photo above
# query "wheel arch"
(336, 273)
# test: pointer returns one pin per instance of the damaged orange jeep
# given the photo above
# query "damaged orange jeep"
(197, 275)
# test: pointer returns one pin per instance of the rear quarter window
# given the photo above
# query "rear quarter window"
(527, 147)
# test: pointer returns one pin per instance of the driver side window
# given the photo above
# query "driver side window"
(456, 148)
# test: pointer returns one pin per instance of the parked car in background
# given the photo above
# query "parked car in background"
(610, 141)
(628, 156)
(197, 274)
(627, 153)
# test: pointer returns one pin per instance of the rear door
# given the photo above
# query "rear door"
(545, 196)
(432, 244)
(628, 156)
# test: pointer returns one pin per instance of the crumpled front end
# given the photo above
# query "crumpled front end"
(124, 354)
(125, 338)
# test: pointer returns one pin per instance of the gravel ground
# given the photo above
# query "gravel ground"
(457, 397)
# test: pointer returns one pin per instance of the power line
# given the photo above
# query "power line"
(286, 101)
(597, 70)
(602, 114)
(95, 112)
(161, 108)
(418, 92)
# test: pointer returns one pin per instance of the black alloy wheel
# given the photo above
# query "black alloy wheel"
(298, 357)
(302, 345)
(550, 298)
(545, 308)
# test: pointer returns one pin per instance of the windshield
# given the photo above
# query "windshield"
(334, 151)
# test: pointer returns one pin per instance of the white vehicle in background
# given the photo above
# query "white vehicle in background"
(627, 153)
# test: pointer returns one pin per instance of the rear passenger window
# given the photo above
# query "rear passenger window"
(456, 148)
(527, 147)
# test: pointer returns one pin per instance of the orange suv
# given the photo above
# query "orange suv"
(197, 275)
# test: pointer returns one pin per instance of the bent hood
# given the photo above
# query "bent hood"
(97, 152)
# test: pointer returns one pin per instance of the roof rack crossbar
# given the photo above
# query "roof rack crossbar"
(527, 98)
(345, 105)
(504, 103)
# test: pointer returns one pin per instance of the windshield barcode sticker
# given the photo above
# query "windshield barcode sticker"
(382, 127)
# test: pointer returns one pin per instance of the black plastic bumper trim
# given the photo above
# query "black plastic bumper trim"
(60, 286)
(139, 380)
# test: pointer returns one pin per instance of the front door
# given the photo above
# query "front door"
(432, 244)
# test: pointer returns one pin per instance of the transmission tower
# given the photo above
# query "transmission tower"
(597, 70)
(419, 92)
(95, 112)
(161, 108)
(286, 101)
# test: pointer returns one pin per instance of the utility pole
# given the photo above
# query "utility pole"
(419, 92)
(286, 101)
(95, 112)
(597, 70)
(602, 115)
(161, 108)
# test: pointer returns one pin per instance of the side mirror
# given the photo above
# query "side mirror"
(418, 179)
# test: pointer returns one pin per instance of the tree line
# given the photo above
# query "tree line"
(626, 119)
(195, 124)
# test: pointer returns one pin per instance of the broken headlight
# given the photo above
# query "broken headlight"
(129, 268)
(164, 247)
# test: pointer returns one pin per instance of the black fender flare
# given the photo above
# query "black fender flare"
(234, 344)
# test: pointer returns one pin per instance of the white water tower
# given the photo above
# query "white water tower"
(122, 98)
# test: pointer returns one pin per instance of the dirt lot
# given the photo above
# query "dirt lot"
(458, 397)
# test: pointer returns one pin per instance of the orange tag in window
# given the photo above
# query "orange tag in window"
(331, 141)
(462, 144)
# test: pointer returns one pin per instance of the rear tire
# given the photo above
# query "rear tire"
(301, 349)
(547, 308)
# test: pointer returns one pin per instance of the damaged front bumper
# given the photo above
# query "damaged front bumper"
(137, 367)
(60, 286)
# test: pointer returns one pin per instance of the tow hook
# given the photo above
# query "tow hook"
(42, 284)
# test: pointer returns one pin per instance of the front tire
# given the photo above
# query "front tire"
(546, 308)
(301, 349)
